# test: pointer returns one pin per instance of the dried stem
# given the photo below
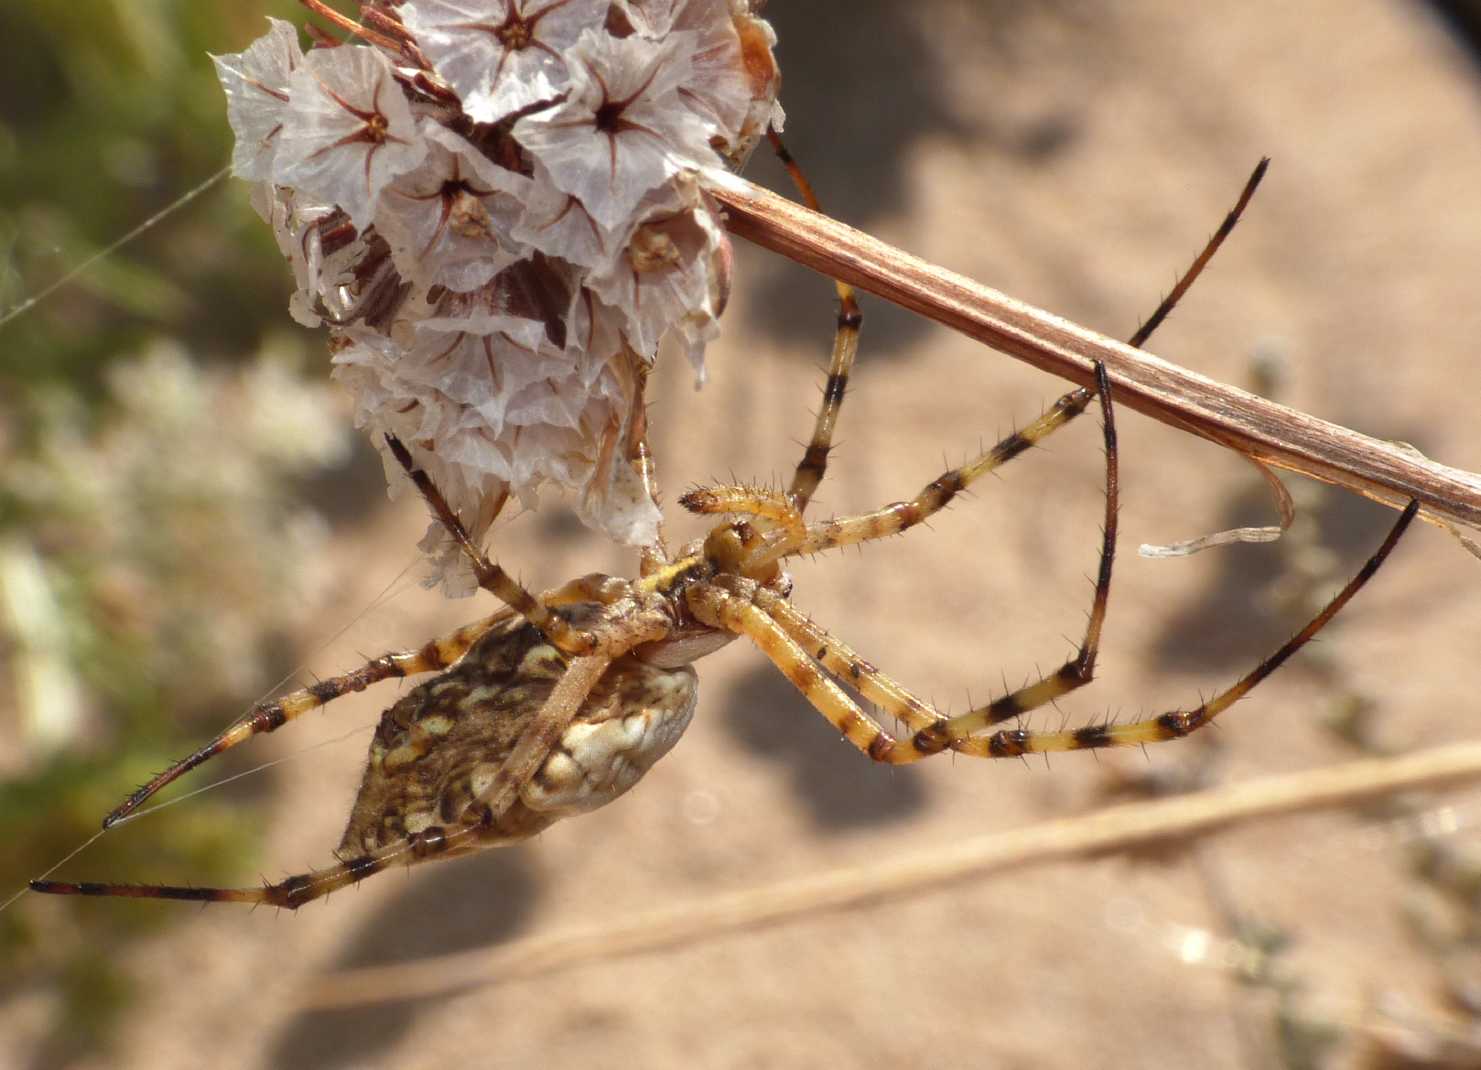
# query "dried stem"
(349, 25)
(1120, 828)
(1387, 472)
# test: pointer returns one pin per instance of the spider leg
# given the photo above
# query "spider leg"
(272, 715)
(745, 608)
(491, 577)
(814, 461)
(712, 604)
(653, 558)
(838, 657)
(776, 510)
(545, 730)
(292, 892)
(435, 655)
(1195, 269)
(1176, 723)
(932, 731)
(1078, 671)
(896, 518)
(900, 516)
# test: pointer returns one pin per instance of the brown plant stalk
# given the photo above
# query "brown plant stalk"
(1387, 472)
(1116, 829)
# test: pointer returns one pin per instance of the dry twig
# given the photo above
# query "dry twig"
(1387, 472)
(1120, 828)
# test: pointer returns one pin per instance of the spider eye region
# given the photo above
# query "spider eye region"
(725, 546)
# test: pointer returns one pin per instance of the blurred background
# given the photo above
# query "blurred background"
(187, 519)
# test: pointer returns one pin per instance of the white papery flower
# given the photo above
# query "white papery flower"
(497, 207)
(500, 56)
(448, 222)
(349, 131)
(257, 96)
(297, 229)
(500, 413)
(716, 88)
(665, 270)
(559, 224)
(623, 129)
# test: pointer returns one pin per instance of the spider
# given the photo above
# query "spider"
(558, 704)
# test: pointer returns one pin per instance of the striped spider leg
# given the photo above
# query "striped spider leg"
(814, 463)
(785, 512)
(518, 733)
(433, 656)
(797, 646)
(813, 660)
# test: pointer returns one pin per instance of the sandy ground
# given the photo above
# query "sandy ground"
(1074, 156)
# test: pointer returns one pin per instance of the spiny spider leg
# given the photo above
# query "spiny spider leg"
(1178, 723)
(291, 892)
(490, 576)
(814, 461)
(774, 508)
(799, 540)
(270, 716)
(846, 665)
(931, 727)
(651, 558)
(739, 607)
(718, 607)
(1195, 269)
(479, 819)
(897, 517)
(438, 654)
(931, 730)
(1076, 401)
(892, 519)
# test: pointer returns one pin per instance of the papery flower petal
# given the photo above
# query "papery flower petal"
(256, 83)
(448, 221)
(717, 88)
(500, 56)
(597, 337)
(620, 503)
(665, 271)
(484, 369)
(622, 130)
(492, 414)
(350, 130)
(558, 224)
(297, 227)
(758, 60)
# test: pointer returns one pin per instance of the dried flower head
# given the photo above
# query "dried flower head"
(496, 207)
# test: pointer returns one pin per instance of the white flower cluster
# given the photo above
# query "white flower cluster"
(496, 206)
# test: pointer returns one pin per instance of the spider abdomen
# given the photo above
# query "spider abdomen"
(437, 750)
(633, 718)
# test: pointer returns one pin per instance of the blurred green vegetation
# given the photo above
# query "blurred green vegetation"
(157, 415)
